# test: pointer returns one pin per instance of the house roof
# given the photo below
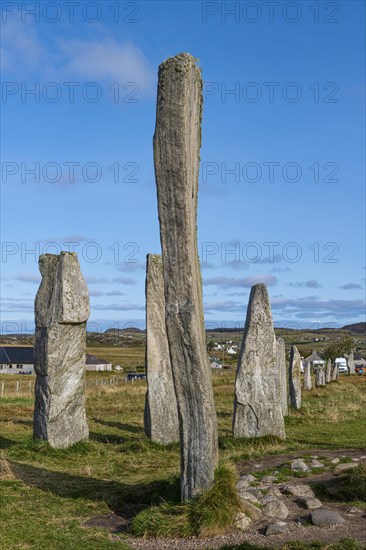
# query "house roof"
(25, 355)
(94, 360)
(313, 357)
(16, 354)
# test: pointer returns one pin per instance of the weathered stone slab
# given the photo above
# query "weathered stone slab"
(335, 372)
(351, 363)
(61, 312)
(282, 369)
(276, 528)
(295, 378)
(177, 142)
(328, 371)
(307, 376)
(258, 402)
(161, 411)
(326, 517)
(319, 377)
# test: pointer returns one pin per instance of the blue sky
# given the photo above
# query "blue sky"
(281, 198)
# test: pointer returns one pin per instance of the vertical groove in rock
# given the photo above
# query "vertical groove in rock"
(177, 143)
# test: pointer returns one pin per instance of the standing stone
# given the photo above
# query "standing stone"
(61, 312)
(328, 371)
(177, 142)
(282, 370)
(322, 378)
(307, 376)
(294, 380)
(161, 413)
(335, 372)
(319, 376)
(258, 398)
(351, 363)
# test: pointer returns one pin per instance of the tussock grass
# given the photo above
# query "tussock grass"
(209, 514)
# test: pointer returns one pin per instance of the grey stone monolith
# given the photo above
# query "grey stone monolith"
(307, 376)
(294, 379)
(351, 363)
(319, 376)
(258, 398)
(177, 142)
(161, 412)
(328, 371)
(282, 369)
(335, 372)
(61, 312)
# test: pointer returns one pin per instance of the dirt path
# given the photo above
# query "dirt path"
(299, 528)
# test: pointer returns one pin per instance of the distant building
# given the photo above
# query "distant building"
(16, 360)
(94, 363)
(314, 359)
(20, 360)
(359, 361)
(216, 365)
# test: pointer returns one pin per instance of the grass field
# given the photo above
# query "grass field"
(48, 495)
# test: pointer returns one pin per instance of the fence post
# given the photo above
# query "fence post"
(17, 390)
(2, 388)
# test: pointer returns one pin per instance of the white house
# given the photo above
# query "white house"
(232, 350)
(20, 360)
(16, 360)
(95, 363)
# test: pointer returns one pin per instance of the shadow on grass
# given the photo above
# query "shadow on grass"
(119, 426)
(6, 443)
(111, 439)
(115, 494)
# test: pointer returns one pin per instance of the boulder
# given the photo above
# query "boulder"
(276, 528)
(326, 517)
(298, 465)
(275, 509)
(299, 490)
(242, 522)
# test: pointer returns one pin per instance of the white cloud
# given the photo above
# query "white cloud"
(245, 282)
(108, 60)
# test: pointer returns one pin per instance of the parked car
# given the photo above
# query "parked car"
(342, 365)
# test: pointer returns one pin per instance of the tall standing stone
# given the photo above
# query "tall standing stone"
(328, 371)
(307, 376)
(161, 412)
(177, 142)
(282, 369)
(295, 378)
(258, 397)
(319, 376)
(351, 363)
(61, 312)
(335, 371)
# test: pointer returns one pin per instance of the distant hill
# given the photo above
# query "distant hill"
(358, 328)
(122, 330)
